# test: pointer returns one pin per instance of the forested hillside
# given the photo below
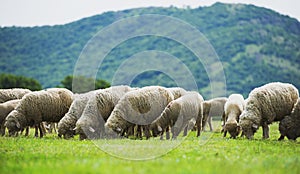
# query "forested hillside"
(256, 46)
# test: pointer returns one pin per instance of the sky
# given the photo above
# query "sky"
(53, 12)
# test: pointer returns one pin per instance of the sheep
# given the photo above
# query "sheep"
(266, 104)
(98, 109)
(12, 94)
(232, 110)
(290, 125)
(5, 109)
(178, 115)
(177, 92)
(140, 107)
(35, 107)
(212, 107)
(67, 124)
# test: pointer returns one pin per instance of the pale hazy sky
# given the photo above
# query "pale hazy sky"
(51, 12)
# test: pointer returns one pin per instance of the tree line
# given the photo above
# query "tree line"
(8, 81)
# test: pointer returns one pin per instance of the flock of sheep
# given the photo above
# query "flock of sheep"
(123, 111)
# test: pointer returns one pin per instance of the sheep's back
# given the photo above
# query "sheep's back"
(144, 105)
(11, 94)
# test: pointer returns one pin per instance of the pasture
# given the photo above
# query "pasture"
(194, 155)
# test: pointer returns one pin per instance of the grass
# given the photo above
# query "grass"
(213, 154)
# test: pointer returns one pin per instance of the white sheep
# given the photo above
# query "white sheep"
(12, 94)
(178, 115)
(98, 109)
(232, 111)
(5, 109)
(67, 124)
(212, 107)
(140, 107)
(266, 104)
(35, 107)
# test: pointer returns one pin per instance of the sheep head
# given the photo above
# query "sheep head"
(65, 130)
(249, 127)
(12, 123)
(233, 128)
(156, 130)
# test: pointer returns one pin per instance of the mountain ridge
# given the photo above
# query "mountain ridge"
(252, 42)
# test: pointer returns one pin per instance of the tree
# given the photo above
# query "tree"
(81, 84)
(13, 81)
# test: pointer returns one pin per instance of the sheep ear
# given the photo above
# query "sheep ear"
(159, 128)
(75, 129)
(18, 125)
(255, 126)
(91, 129)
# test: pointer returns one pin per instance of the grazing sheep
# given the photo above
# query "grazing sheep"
(12, 94)
(67, 124)
(178, 115)
(98, 109)
(290, 125)
(5, 109)
(177, 92)
(266, 104)
(212, 107)
(232, 111)
(140, 107)
(35, 107)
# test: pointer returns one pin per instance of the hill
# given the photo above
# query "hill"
(256, 46)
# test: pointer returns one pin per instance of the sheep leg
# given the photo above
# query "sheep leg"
(198, 123)
(168, 133)
(27, 131)
(54, 127)
(36, 131)
(2, 130)
(162, 136)
(209, 123)
(174, 133)
(146, 130)
(204, 122)
(138, 134)
(41, 126)
(185, 130)
(265, 131)
(225, 133)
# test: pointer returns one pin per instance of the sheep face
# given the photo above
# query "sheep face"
(248, 128)
(12, 123)
(233, 129)
(65, 131)
(156, 130)
(79, 131)
(66, 134)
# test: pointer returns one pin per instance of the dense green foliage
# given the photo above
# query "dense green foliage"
(83, 84)
(255, 45)
(13, 81)
(218, 155)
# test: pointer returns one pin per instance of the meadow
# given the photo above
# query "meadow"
(213, 154)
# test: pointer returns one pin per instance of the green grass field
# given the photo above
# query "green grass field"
(194, 155)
